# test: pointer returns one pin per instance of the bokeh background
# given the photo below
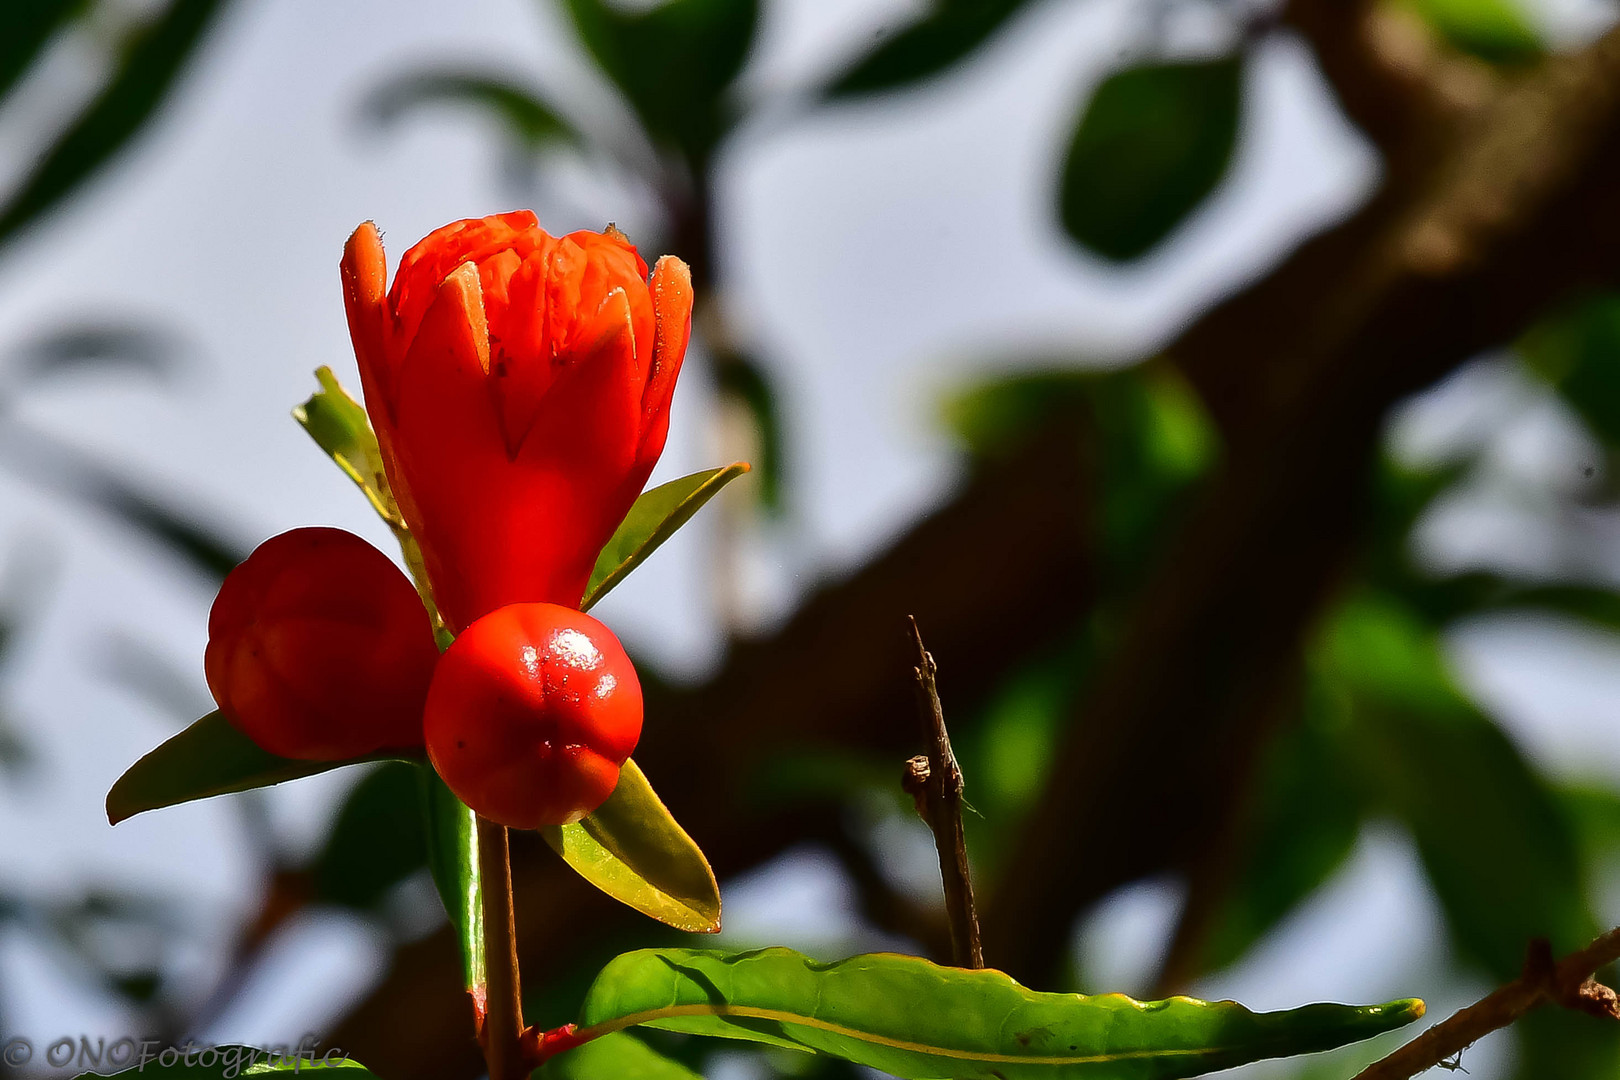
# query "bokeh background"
(1232, 391)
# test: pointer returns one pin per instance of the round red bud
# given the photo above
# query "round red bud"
(319, 648)
(531, 712)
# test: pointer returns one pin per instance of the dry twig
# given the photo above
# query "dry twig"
(1568, 983)
(935, 781)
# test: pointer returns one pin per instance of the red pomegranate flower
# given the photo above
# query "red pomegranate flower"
(520, 387)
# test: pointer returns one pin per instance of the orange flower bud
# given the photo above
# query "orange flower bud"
(319, 648)
(520, 387)
(531, 712)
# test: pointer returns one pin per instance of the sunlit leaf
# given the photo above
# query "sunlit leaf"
(652, 520)
(950, 32)
(909, 1017)
(1150, 147)
(452, 836)
(635, 851)
(620, 1056)
(339, 425)
(146, 73)
(208, 758)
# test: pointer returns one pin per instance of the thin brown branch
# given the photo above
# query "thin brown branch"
(500, 1029)
(935, 781)
(1568, 983)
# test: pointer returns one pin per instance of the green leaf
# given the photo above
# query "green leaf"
(146, 73)
(620, 1056)
(952, 31)
(376, 842)
(531, 121)
(208, 758)
(1152, 144)
(452, 851)
(195, 1061)
(909, 1017)
(339, 425)
(1494, 30)
(652, 520)
(635, 851)
(674, 63)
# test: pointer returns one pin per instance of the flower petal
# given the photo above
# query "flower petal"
(426, 265)
(365, 282)
(449, 441)
(672, 309)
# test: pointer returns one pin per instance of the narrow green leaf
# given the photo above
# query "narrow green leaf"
(635, 851)
(619, 1056)
(530, 120)
(1149, 148)
(339, 425)
(452, 833)
(652, 520)
(951, 32)
(208, 758)
(150, 66)
(914, 1019)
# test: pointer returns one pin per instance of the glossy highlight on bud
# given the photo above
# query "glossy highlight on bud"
(532, 711)
(519, 384)
(319, 648)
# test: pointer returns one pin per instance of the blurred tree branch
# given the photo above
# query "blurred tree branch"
(1299, 370)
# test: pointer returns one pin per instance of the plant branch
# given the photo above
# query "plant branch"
(1568, 983)
(500, 1028)
(935, 781)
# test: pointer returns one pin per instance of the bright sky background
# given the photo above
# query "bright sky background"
(878, 254)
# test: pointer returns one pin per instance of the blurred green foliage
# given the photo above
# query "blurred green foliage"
(1151, 145)
(149, 63)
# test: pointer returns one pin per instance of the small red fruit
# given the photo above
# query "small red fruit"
(531, 712)
(320, 649)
